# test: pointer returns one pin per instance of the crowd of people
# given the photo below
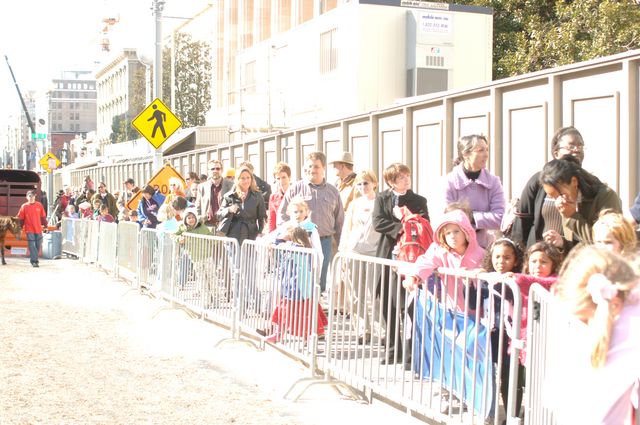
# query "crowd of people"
(564, 225)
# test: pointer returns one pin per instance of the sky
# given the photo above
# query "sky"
(44, 37)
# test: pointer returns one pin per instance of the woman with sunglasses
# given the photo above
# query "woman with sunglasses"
(176, 189)
(359, 236)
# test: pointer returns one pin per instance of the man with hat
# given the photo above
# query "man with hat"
(343, 167)
(33, 216)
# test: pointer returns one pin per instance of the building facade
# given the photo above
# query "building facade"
(122, 93)
(71, 110)
(286, 63)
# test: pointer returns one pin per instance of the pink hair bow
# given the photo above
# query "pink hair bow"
(601, 289)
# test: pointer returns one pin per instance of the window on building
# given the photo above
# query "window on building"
(328, 51)
(250, 77)
(305, 11)
(328, 5)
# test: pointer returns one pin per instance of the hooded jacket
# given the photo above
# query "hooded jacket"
(442, 256)
(199, 228)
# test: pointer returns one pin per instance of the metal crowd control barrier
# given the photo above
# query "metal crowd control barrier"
(107, 246)
(439, 351)
(90, 254)
(549, 331)
(73, 236)
(127, 266)
(204, 272)
(280, 297)
(148, 265)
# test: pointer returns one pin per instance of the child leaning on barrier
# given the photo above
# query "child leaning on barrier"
(190, 224)
(299, 212)
(600, 383)
(455, 246)
(294, 310)
(502, 257)
(104, 214)
(541, 265)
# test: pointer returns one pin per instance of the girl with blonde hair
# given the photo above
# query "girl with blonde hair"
(613, 232)
(600, 288)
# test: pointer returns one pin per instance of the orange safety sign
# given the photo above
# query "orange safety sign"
(159, 182)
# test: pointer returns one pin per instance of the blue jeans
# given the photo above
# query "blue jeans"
(325, 243)
(34, 241)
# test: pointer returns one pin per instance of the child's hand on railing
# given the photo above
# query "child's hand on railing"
(410, 283)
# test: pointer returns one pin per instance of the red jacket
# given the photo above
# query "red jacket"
(32, 216)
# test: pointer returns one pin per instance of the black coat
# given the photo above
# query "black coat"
(389, 226)
(529, 224)
(249, 221)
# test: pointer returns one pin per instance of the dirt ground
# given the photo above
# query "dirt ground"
(79, 347)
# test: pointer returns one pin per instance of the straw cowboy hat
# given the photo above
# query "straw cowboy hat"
(345, 157)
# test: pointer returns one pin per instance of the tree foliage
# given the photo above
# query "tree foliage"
(192, 79)
(530, 35)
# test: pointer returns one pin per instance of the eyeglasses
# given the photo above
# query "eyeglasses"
(215, 169)
(573, 147)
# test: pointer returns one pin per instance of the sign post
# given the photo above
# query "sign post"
(50, 162)
(157, 123)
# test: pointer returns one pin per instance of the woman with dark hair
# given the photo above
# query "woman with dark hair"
(471, 182)
(578, 196)
(537, 218)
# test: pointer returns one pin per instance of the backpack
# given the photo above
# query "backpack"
(415, 237)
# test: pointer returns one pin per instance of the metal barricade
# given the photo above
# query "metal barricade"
(440, 351)
(550, 331)
(149, 260)
(127, 267)
(72, 236)
(107, 246)
(279, 297)
(92, 241)
(204, 272)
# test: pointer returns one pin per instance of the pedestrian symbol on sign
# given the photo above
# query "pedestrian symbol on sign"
(160, 118)
(156, 117)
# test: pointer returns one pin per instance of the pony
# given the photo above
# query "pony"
(9, 224)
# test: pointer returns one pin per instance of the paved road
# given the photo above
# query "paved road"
(78, 347)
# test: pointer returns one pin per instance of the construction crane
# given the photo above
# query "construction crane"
(24, 105)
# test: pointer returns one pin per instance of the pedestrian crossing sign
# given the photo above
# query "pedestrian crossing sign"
(156, 123)
(49, 162)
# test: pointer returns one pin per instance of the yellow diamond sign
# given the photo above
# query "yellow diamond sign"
(159, 182)
(156, 123)
(49, 162)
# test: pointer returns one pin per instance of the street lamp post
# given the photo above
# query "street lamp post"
(158, 6)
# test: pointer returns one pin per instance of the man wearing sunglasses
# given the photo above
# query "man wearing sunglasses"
(210, 192)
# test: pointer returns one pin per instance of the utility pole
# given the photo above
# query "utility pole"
(157, 7)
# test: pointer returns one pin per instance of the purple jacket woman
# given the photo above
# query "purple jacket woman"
(470, 182)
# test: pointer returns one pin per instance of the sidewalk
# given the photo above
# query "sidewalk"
(80, 347)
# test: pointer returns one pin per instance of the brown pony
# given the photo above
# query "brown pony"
(11, 224)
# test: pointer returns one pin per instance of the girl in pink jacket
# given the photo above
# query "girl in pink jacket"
(455, 246)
